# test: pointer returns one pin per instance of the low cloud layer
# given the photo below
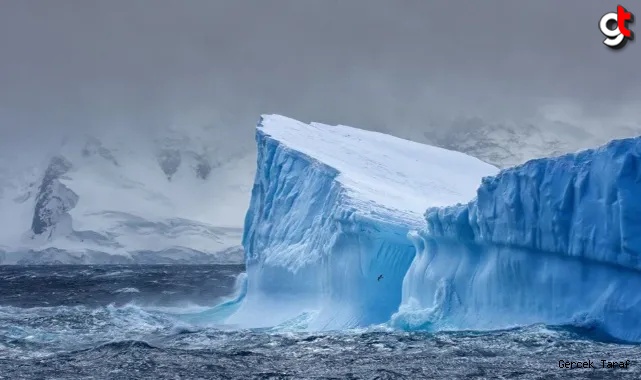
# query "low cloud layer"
(72, 65)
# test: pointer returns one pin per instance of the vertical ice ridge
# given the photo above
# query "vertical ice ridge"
(554, 241)
(580, 204)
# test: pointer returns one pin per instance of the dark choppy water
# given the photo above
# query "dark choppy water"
(151, 322)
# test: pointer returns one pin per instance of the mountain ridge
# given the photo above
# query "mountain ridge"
(112, 200)
(186, 190)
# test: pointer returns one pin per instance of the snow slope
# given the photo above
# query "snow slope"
(172, 197)
(554, 241)
(330, 211)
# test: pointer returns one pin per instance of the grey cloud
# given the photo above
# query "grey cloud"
(70, 65)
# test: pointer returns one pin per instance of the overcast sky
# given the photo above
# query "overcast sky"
(76, 65)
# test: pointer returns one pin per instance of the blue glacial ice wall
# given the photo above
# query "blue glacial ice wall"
(555, 241)
(312, 260)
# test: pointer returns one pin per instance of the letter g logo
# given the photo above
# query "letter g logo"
(615, 27)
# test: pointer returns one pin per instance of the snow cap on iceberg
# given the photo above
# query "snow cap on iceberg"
(382, 173)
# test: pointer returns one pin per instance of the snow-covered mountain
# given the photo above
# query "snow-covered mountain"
(507, 144)
(175, 196)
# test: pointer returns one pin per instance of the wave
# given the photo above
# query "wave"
(127, 290)
(47, 331)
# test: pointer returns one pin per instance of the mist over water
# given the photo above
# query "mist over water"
(162, 322)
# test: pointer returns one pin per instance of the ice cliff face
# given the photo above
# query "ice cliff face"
(553, 241)
(330, 210)
(337, 236)
(584, 205)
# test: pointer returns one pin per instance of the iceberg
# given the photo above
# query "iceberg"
(555, 241)
(330, 211)
(348, 228)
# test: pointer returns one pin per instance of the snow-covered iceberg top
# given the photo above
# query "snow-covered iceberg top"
(383, 176)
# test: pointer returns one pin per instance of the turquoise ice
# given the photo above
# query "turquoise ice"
(554, 241)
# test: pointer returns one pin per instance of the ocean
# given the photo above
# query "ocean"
(159, 322)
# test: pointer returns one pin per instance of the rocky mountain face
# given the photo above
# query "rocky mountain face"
(54, 200)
